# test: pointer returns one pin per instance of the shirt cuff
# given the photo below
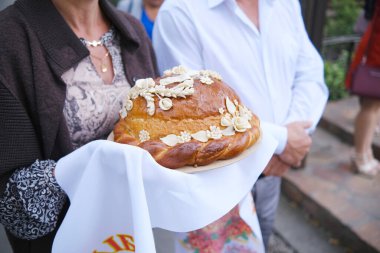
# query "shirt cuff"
(280, 133)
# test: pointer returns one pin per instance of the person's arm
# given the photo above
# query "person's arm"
(310, 92)
(309, 97)
(30, 198)
(175, 40)
(293, 144)
(32, 201)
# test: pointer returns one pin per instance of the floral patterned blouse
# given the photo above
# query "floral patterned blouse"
(92, 107)
(229, 234)
(32, 201)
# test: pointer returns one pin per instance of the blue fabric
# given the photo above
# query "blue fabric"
(148, 24)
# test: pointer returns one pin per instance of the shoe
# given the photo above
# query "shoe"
(377, 130)
(374, 161)
(365, 164)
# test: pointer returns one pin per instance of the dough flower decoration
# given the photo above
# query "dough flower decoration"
(177, 70)
(202, 136)
(165, 104)
(144, 136)
(210, 73)
(235, 119)
(206, 80)
(149, 89)
(172, 139)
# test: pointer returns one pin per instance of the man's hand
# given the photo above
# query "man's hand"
(298, 144)
(276, 167)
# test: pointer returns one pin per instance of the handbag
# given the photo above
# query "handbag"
(366, 79)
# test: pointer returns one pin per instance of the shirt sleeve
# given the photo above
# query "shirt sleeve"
(310, 93)
(32, 201)
(175, 40)
(280, 133)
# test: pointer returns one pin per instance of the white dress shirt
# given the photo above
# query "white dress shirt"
(275, 69)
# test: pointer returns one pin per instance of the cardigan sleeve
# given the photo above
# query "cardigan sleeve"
(32, 201)
(19, 146)
(30, 198)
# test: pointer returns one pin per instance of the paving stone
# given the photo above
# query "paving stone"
(278, 245)
(346, 204)
(334, 176)
(363, 187)
(370, 206)
(371, 232)
(351, 215)
(330, 201)
(300, 233)
(308, 183)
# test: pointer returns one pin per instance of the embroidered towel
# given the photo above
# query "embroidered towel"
(118, 193)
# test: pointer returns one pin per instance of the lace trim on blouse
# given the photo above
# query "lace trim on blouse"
(92, 107)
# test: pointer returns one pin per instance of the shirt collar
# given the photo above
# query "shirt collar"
(214, 3)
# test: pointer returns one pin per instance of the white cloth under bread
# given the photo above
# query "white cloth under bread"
(118, 192)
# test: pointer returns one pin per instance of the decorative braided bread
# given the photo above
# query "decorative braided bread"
(186, 118)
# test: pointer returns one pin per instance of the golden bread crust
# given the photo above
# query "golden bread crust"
(190, 114)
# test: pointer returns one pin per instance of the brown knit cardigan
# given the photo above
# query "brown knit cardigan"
(36, 48)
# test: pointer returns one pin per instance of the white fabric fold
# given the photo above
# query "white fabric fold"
(118, 193)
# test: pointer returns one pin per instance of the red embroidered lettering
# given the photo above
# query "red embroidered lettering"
(127, 244)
